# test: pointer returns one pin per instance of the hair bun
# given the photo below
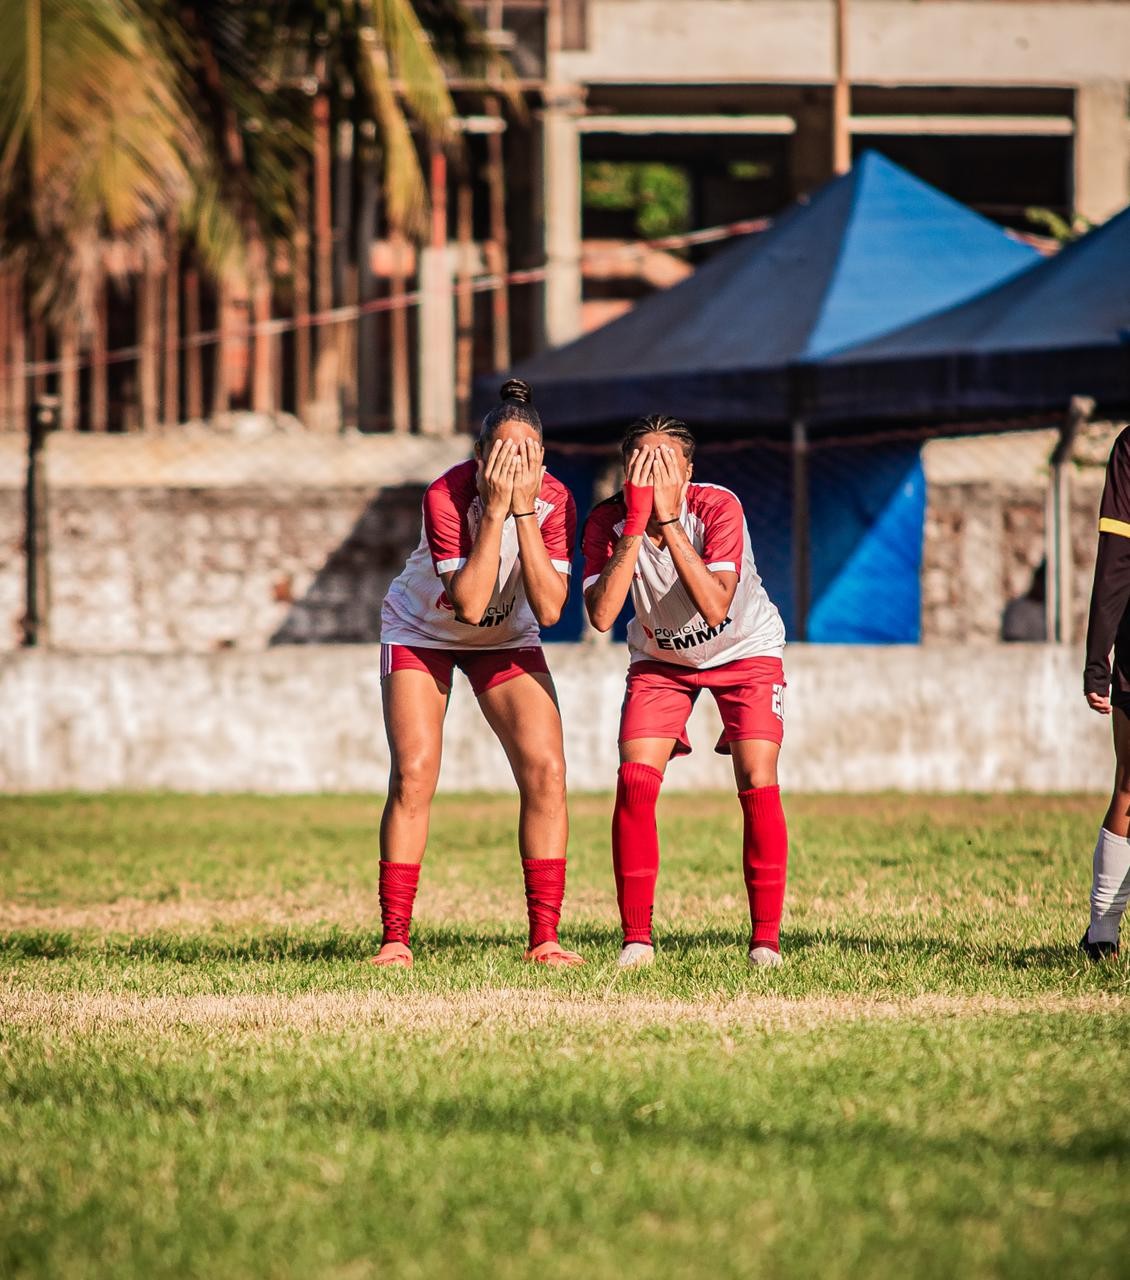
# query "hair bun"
(516, 391)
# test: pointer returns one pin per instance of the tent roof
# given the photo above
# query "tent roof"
(868, 253)
(1079, 298)
(1060, 328)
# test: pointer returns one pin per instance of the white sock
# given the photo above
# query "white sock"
(1110, 886)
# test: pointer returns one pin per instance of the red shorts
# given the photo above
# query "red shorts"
(485, 668)
(660, 695)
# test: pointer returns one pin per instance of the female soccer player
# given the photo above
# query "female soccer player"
(703, 621)
(492, 565)
(1109, 628)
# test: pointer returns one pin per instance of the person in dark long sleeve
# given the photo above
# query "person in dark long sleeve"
(1107, 691)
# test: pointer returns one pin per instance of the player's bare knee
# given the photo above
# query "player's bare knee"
(543, 778)
(757, 776)
(1121, 793)
(413, 781)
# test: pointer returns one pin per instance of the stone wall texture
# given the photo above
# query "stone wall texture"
(204, 542)
(985, 525)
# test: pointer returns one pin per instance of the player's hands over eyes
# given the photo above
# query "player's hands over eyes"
(669, 483)
(528, 475)
(1097, 702)
(496, 478)
(637, 492)
(638, 470)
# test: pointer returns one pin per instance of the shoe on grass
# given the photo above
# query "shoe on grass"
(636, 955)
(1097, 951)
(553, 954)
(765, 958)
(393, 955)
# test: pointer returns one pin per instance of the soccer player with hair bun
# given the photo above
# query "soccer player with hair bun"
(703, 621)
(492, 566)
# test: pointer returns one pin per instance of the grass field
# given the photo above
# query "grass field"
(198, 1077)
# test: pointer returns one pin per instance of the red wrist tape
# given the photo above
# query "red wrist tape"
(638, 500)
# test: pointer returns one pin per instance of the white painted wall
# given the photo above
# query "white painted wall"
(989, 718)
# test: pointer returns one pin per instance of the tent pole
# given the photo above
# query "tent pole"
(801, 530)
(1058, 558)
(841, 94)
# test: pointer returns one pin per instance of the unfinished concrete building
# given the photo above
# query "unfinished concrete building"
(1005, 104)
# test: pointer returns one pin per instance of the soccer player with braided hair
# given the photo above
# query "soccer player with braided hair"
(702, 621)
(492, 566)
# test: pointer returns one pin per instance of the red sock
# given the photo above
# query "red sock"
(398, 893)
(765, 855)
(545, 889)
(635, 848)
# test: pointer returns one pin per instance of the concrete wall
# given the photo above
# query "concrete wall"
(930, 42)
(995, 44)
(309, 719)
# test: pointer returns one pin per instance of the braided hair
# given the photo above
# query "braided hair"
(658, 423)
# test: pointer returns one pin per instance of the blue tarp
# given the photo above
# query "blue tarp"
(1060, 328)
(866, 508)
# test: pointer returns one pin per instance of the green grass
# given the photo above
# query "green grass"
(198, 1078)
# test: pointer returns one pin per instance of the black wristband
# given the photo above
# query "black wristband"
(673, 520)
(519, 514)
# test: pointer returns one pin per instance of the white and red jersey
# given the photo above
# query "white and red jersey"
(667, 626)
(416, 610)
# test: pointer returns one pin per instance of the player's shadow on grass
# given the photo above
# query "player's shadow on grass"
(323, 945)
(686, 944)
(795, 942)
(186, 948)
(934, 947)
(452, 938)
(540, 1109)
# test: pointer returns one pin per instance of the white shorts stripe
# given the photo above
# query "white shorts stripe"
(589, 581)
(723, 564)
(562, 566)
(450, 566)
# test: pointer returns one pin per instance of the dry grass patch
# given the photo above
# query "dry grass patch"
(505, 1010)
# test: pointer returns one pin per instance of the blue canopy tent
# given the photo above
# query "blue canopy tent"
(732, 350)
(1059, 329)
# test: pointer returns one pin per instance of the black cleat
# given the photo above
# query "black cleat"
(1097, 951)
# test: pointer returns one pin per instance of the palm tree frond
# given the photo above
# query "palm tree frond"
(406, 196)
(413, 61)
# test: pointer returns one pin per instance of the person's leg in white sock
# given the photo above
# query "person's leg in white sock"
(1110, 875)
(1110, 886)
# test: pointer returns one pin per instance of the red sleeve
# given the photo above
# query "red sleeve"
(445, 526)
(723, 545)
(559, 532)
(599, 541)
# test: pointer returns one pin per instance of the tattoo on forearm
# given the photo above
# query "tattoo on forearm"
(682, 551)
(682, 547)
(622, 552)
